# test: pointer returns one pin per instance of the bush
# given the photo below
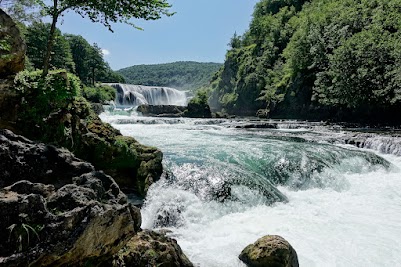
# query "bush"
(45, 98)
(99, 94)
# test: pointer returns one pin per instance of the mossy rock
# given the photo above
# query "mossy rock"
(53, 110)
(149, 248)
(270, 250)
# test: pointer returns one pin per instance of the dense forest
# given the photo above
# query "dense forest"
(185, 75)
(74, 54)
(70, 52)
(317, 59)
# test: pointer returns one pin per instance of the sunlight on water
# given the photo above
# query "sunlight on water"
(336, 204)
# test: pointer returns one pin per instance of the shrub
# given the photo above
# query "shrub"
(99, 94)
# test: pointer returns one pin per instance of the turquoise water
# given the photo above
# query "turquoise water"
(225, 187)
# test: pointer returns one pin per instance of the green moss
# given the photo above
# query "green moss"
(53, 110)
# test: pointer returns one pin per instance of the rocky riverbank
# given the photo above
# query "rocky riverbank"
(58, 210)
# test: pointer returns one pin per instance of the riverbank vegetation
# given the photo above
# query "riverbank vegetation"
(319, 59)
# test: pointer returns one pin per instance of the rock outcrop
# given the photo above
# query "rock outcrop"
(161, 110)
(12, 47)
(12, 59)
(148, 248)
(56, 113)
(193, 110)
(63, 213)
(198, 110)
(272, 251)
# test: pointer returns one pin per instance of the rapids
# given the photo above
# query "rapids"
(337, 204)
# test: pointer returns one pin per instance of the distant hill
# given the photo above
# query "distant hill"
(186, 75)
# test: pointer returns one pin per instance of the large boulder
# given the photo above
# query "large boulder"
(12, 47)
(149, 248)
(270, 251)
(63, 212)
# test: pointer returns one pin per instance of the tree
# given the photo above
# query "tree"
(105, 12)
(80, 49)
(36, 39)
(235, 41)
(96, 62)
(20, 10)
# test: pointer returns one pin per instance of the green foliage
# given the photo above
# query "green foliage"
(109, 11)
(201, 98)
(45, 98)
(20, 237)
(36, 37)
(20, 10)
(327, 55)
(180, 75)
(99, 94)
(105, 12)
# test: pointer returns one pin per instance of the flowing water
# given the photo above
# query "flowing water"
(129, 95)
(225, 187)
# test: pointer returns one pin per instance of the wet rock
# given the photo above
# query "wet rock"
(257, 126)
(222, 115)
(149, 248)
(168, 216)
(12, 46)
(263, 113)
(271, 250)
(97, 108)
(71, 216)
(161, 110)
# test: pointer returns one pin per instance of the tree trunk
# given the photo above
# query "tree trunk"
(50, 41)
(93, 76)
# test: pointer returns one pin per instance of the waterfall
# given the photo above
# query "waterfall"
(135, 95)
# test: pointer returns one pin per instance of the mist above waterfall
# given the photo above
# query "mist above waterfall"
(135, 95)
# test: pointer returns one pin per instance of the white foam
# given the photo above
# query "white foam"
(353, 222)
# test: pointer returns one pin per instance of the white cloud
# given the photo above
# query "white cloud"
(105, 52)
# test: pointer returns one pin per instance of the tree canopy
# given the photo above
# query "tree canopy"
(105, 12)
(315, 59)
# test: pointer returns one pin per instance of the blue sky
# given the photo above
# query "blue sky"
(200, 31)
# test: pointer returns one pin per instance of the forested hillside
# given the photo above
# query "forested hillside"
(318, 59)
(186, 75)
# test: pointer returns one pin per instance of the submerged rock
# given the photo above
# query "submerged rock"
(257, 126)
(270, 251)
(149, 248)
(63, 212)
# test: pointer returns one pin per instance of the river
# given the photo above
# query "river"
(226, 186)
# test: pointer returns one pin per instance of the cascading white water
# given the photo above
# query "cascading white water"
(135, 95)
(343, 202)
